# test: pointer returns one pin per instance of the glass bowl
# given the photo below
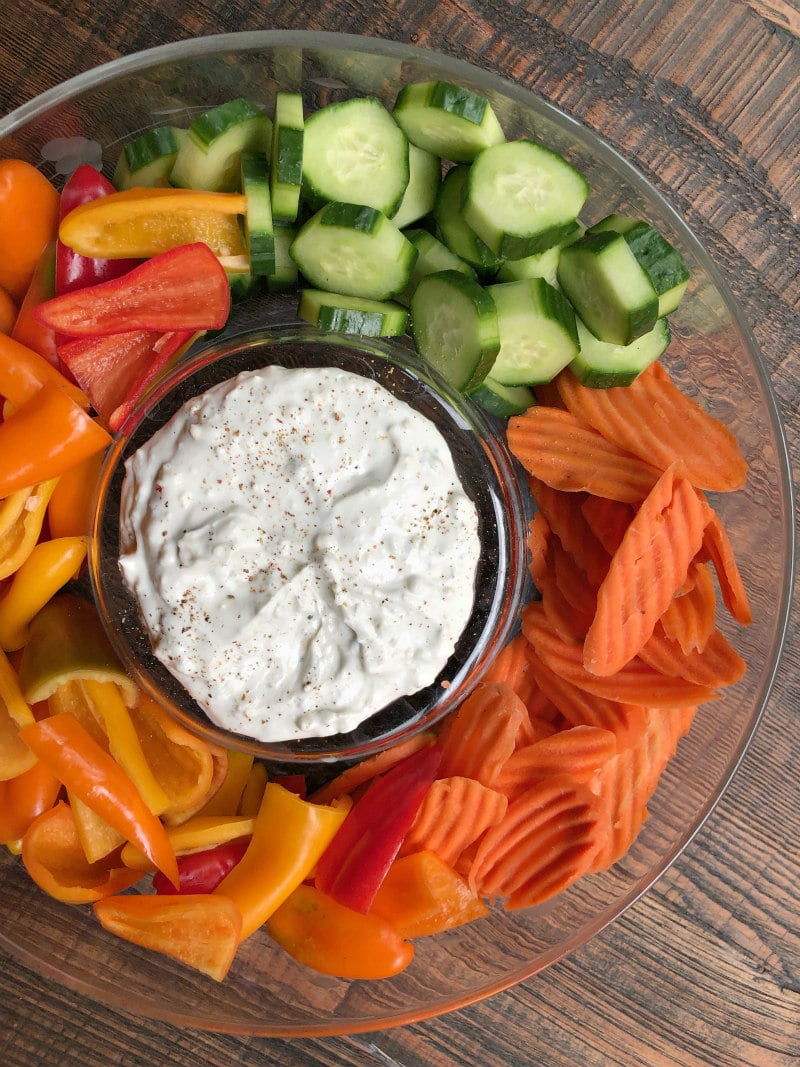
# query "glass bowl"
(714, 358)
(484, 468)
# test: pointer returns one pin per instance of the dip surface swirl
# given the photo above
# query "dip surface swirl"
(301, 550)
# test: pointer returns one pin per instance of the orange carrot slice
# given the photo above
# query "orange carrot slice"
(690, 617)
(624, 788)
(456, 811)
(352, 777)
(579, 751)
(546, 841)
(720, 551)
(657, 421)
(635, 683)
(608, 520)
(512, 666)
(566, 453)
(650, 565)
(717, 666)
(479, 737)
(565, 518)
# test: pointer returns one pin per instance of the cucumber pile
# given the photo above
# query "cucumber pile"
(425, 219)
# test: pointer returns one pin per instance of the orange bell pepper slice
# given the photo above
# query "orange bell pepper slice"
(200, 930)
(23, 372)
(28, 220)
(321, 933)
(422, 895)
(89, 772)
(44, 437)
(69, 511)
(15, 756)
(55, 860)
(8, 312)
(27, 328)
(24, 798)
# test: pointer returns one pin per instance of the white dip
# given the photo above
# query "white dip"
(301, 550)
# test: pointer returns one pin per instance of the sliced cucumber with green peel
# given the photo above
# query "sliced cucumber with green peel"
(284, 277)
(424, 179)
(601, 365)
(538, 332)
(148, 159)
(286, 175)
(452, 227)
(432, 256)
(240, 279)
(354, 151)
(355, 250)
(209, 156)
(504, 401)
(454, 326)
(352, 314)
(664, 264)
(541, 265)
(608, 287)
(258, 216)
(521, 198)
(447, 120)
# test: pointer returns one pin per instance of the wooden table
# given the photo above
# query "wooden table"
(705, 970)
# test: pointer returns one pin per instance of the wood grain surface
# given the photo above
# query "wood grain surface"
(705, 969)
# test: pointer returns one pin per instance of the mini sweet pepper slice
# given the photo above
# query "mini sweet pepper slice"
(185, 288)
(201, 872)
(28, 220)
(289, 836)
(15, 756)
(24, 371)
(355, 863)
(21, 519)
(143, 222)
(87, 770)
(23, 799)
(47, 569)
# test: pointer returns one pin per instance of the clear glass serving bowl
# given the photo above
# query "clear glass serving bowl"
(712, 355)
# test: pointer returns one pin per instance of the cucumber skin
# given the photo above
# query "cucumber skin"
(452, 229)
(646, 350)
(330, 311)
(503, 401)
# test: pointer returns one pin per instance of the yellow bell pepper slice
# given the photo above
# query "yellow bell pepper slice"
(15, 756)
(228, 797)
(48, 568)
(140, 223)
(21, 519)
(253, 792)
(288, 839)
(197, 834)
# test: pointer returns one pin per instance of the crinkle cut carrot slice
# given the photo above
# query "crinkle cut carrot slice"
(608, 520)
(536, 543)
(690, 618)
(513, 667)
(624, 790)
(479, 737)
(717, 666)
(579, 751)
(566, 453)
(456, 811)
(635, 683)
(655, 420)
(626, 721)
(720, 551)
(546, 841)
(565, 518)
(648, 568)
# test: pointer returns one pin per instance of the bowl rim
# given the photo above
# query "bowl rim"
(493, 82)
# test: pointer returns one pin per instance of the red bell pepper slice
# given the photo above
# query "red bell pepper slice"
(74, 271)
(185, 288)
(355, 863)
(115, 370)
(201, 872)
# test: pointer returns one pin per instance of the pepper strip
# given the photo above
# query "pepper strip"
(44, 437)
(23, 799)
(97, 779)
(69, 511)
(23, 372)
(197, 834)
(15, 756)
(288, 838)
(47, 569)
(21, 520)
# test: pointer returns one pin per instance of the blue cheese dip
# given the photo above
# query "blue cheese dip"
(301, 550)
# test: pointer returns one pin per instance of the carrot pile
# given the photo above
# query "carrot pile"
(548, 767)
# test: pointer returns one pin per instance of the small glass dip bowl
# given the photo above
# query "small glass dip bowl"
(484, 469)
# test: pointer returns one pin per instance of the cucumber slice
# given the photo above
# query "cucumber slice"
(352, 314)
(240, 278)
(355, 250)
(447, 120)
(454, 326)
(287, 156)
(284, 277)
(258, 216)
(355, 152)
(503, 400)
(148, 159)
(522, 198)
(209, 156)
(541, 265)
(608, 287)
(432, 256)
(452, 227)
(665, 266)
(424, 179)
(601, 365)
(538, 333)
